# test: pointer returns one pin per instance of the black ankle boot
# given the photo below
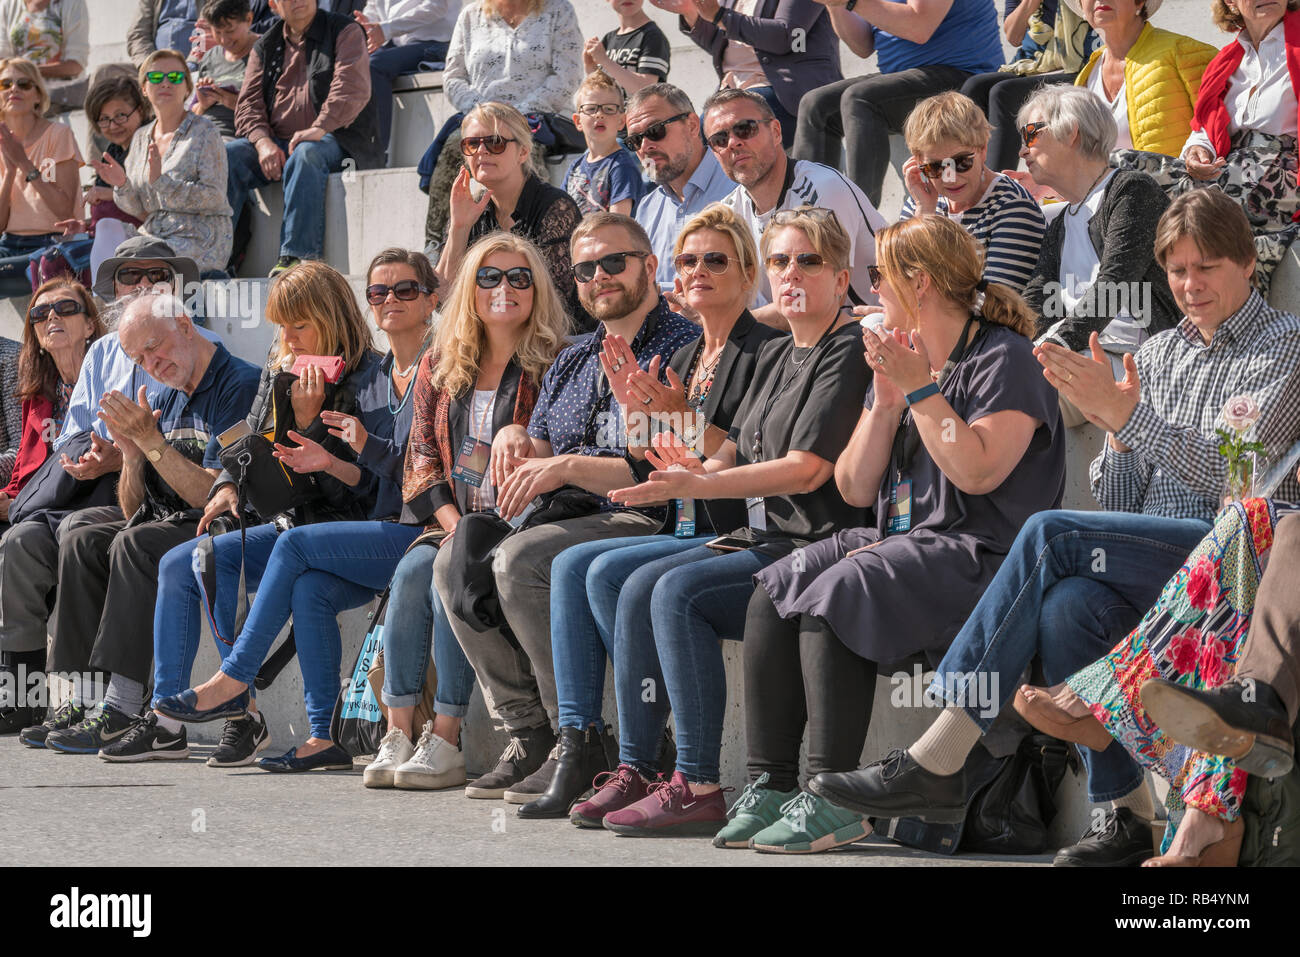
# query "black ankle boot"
(582, 756)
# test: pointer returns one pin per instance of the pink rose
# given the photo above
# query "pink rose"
(1241, 412)
(1203, 584)
(1213, 670)
(1184, 650)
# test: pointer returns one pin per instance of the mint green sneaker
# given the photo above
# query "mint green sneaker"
(809, 825)
(757, 807)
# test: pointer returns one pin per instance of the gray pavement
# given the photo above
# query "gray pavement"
(75, 810)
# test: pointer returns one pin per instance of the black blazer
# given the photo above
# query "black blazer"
(458, 424)
(731, 382)
(1123, 233)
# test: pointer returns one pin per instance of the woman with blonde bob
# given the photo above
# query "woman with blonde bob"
(960, 440)
(502, 326)
(345, 431)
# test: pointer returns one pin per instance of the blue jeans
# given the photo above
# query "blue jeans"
(305, 175)
(787, 120)
(1072, 585)
(580, 638)
(690, 609)
(387, 64)
(414, 612)
(15, 257)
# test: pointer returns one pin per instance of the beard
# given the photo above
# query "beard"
(615, 307)
(674, 167)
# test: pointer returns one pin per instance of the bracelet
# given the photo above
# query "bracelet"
(850, 5)
(721, 9)
(922, 393)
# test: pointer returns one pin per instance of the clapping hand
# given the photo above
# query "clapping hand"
(661, 401)
(110, 171)
(154, 160)
(1089, 382)
(678, 470)
(101, 458)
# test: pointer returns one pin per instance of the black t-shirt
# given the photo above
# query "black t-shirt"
(807, 400)
(644, 50)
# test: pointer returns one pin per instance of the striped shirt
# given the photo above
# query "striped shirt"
(1175, 469)
(1007, 223)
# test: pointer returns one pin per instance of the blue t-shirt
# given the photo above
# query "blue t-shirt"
(597, 186)
(967, 39)
(176, 19)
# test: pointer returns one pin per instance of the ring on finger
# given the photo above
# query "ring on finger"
(647, 400)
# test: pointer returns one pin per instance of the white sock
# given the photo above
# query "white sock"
(944, 747)
(171, 725)
(1138, 801)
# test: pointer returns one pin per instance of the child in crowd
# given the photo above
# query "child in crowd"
(635, 55)
(606, 177)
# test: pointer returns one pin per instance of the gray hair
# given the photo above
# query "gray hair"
(672, 95)
(1067, 109)
(161, 305)
(728, 93)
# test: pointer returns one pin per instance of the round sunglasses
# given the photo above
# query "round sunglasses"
(961, 163)
(60, 307)
(714, 262)
(489, 277)
(744, 130)
(496, 145)
(171, 76)
(613, 264)
(654, 132)
(810, 264)
(406, 290)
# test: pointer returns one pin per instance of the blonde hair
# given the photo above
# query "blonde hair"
(147, 67)
(30, 70)
(598, 81)
(461, 339)
(496, 115)
(1229, 19)
(950, 256)
(822, 227)
(724, 220)
(314, 293)
(948, 116)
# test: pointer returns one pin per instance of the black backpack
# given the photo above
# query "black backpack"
(1271, 810)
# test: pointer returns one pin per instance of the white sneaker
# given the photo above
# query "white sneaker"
(394, 750)
(435, 765)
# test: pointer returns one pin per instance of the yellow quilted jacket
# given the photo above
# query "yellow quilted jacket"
(1162, 73)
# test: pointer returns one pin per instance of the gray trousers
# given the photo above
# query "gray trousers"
(519, 685)
(29, 572)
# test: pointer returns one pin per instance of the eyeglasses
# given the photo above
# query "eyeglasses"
(875, 275)
(613, 264)
(744, 130)
(715, 263)
(131, 275)
(810, 264)
(1030, 132)
(494, 144)
(489, 277)
(171, 76)
(654, 133)
(21, 82)
(595, 109)
(406, 291)
(961, 163)
(117, 119)
(60, 307)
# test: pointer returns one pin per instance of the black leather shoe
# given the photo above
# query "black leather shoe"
(1120, 839)
(582, 756)
(13, 720)
(896, 787)
(1242, 720)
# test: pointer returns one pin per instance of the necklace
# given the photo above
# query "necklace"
(702, 382)
(396, 373)
(1072, 209)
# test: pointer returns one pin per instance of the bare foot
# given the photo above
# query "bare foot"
(218, 689)
(1058, 714)
(1202, 840)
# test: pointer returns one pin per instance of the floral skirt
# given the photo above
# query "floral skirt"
(1194, 635)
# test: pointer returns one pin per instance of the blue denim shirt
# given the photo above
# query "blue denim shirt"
(663, 215)
(176, 19)
(383, 455)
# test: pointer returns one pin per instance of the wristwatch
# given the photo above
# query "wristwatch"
(850, 5)
(33, 176)
(155, 455)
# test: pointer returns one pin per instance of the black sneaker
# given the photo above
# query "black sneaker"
(92, 733)
(1119, 839)
(523, 755)
(147, 741)
(241, 740)
(65, 717)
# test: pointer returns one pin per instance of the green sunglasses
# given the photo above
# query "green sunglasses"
(157, 76)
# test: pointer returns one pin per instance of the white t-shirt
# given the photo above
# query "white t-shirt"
(816, 185)
(1118, 106)
(480, 427)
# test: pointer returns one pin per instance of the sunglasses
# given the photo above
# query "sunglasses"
(962, 163)
(1030, 132)
(406, 291)
(595, 109)
(171, 76)
(654, 133)
(131, 275)
(117, 119)
(875, 275)
(744, 130)
(810, 264)
(715, 263)
(22, 83)
(787, 216)
(613, 264)
(489, 277)
(494, 144)
(60, 307)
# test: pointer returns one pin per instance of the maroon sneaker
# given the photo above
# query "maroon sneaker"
(618, 790)
(671, 810)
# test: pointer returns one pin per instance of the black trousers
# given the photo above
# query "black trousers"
(104, 611)
(1000, 96)
(799, 674)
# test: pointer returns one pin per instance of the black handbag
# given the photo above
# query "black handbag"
(261, 480)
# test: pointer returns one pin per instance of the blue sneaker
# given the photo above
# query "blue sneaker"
(332, 758)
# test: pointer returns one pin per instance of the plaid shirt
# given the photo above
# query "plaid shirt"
(1175, 469)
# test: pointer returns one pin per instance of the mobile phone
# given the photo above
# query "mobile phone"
(729, 543)
(332, 366)
(234, 434)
